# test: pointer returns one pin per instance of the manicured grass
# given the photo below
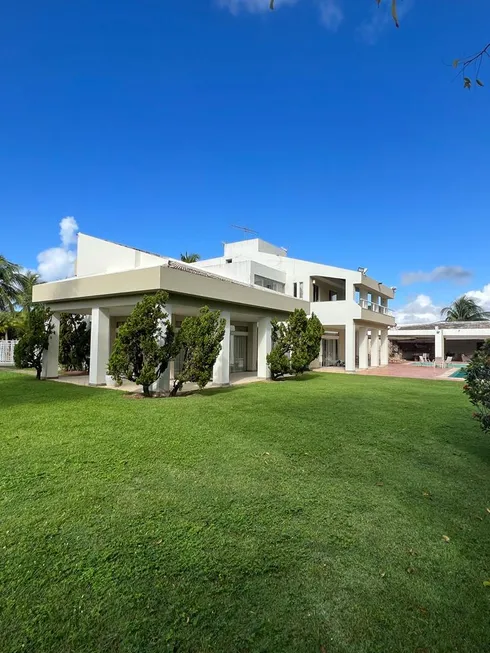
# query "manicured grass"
(296, 517)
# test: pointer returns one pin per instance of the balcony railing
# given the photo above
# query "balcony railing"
(376, 308)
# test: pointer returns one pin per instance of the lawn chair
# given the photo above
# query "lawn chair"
(448, 361)
(465, 358)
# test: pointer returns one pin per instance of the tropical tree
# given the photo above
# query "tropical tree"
(464, 309)
(296, 343)
(12, 324)
(34, 341)
(477, 385)
(144, 344)
(199, 340)
(10, 282)
(26, 283)
(74, 342)
(190, 258)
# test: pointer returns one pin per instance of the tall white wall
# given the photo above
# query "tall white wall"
(97, 256)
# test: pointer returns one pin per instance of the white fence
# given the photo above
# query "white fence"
(7, 352)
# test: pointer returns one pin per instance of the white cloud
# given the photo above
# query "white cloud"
(252, 6)
(59, 262)
(419, 310)
(454, 273)
(331, 14)
(372, 28)
(68, 231)
(55, 263)
(482, 296)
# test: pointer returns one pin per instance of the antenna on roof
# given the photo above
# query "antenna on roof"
(245, 230)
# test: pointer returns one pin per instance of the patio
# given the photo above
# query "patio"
(411, 370)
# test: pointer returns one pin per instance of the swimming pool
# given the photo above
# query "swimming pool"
(459, 373)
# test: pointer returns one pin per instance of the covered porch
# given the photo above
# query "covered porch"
(356, 346)
(242, 358)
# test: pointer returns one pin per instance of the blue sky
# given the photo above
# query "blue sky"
(159, 124)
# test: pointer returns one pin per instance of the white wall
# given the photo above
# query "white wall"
(252, 246)
(97, 256)
(280, 268)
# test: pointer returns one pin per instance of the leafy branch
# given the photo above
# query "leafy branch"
(463, 64)
(475, 60)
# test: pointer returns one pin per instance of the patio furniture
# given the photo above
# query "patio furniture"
(448, 361)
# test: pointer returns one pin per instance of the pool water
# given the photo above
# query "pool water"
(459, 374)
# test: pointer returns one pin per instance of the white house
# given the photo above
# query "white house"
(349, 304)
(110, 279)
(251, 284)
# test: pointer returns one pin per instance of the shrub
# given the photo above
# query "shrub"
(295, 344)
(74, 342)
(28, 352)
(199, 340)
(144, 344)
(477, 385)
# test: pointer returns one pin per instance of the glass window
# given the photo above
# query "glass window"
(264, 282)
(332, 294)
(295, 289)
(301, 290)
(316, 293)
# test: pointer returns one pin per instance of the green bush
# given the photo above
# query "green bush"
(144, 344)
(28, 352)
(295, 344)
(199, 340)
(74, 342)
(477, 385)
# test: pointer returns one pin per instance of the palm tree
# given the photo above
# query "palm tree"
(26, 283)
(190, 258)
(464, 309)
(10, 280)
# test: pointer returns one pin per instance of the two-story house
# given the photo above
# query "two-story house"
(352, 306)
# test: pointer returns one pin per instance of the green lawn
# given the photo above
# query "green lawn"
(302, 516)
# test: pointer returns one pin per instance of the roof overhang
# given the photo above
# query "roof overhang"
(174, 279)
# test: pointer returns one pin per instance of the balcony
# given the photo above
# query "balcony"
(375, 308)
(372, 312)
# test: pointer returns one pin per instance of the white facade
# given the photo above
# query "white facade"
(110, 279)
(347, 302)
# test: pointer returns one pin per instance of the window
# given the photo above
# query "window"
(316, 293)
(332, 295)
(301, 290)
(295, 289)
(264, 282)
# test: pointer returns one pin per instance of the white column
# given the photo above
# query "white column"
(99, 346)
(363, 297)
(363, 348)
(350, 347)
(374, 348)
(163, 382)
(221, 370)
(264, 346)
(439, 344)
(384, 347)
(320, 355)
(51, 354)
